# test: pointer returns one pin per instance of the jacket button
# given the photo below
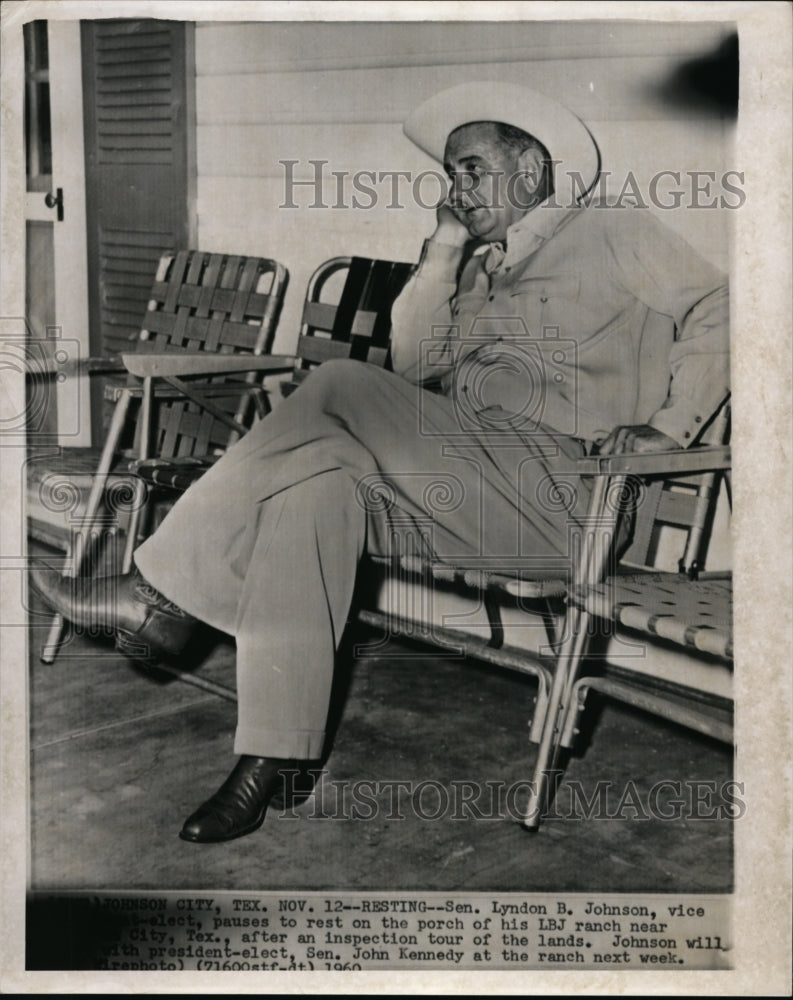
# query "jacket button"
(687, 434)
(697, 420)
(490, 298)
(543, 298)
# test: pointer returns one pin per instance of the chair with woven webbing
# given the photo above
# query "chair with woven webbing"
(686, 608)
(347, 313)
(204, 341)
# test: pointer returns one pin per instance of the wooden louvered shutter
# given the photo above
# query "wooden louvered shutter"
(139, 175)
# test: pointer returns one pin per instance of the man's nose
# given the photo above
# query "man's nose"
(462, 193)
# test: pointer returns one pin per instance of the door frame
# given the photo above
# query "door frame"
(69, 235)
(71, 255)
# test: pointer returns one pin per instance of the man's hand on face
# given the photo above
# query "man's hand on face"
(449, 229)
(640, 438)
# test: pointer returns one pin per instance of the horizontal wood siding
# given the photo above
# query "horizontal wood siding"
(333, 92)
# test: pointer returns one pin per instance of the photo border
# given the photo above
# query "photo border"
(762, 364)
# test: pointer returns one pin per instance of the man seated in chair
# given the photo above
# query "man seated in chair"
(545, 328)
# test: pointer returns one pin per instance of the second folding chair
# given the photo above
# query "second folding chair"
(194, 383)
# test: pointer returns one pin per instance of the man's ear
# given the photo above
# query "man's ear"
(530, 164)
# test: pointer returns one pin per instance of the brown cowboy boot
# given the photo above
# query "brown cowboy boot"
(144, 621)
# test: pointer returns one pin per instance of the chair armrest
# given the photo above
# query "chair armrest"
(679, 461)
(74, 366)
(203, 363)
(166, 392)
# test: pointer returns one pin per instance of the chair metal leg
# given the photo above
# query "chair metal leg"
(138, 506)
(595, 548)
(550, 739)
(79, 548)
(49, 649)
(133, 528)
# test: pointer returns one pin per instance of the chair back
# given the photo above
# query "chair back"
(221, 303)
(347, 311)
(685, 503)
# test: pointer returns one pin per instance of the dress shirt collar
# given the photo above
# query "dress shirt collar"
(529, 233)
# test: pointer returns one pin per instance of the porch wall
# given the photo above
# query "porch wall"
(268, 92)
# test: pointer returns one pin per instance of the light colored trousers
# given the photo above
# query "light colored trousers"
(266, 545)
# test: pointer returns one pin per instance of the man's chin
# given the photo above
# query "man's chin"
(479, 232)
(482, 229)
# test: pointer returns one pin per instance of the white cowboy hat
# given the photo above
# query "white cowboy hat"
(565, 136)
